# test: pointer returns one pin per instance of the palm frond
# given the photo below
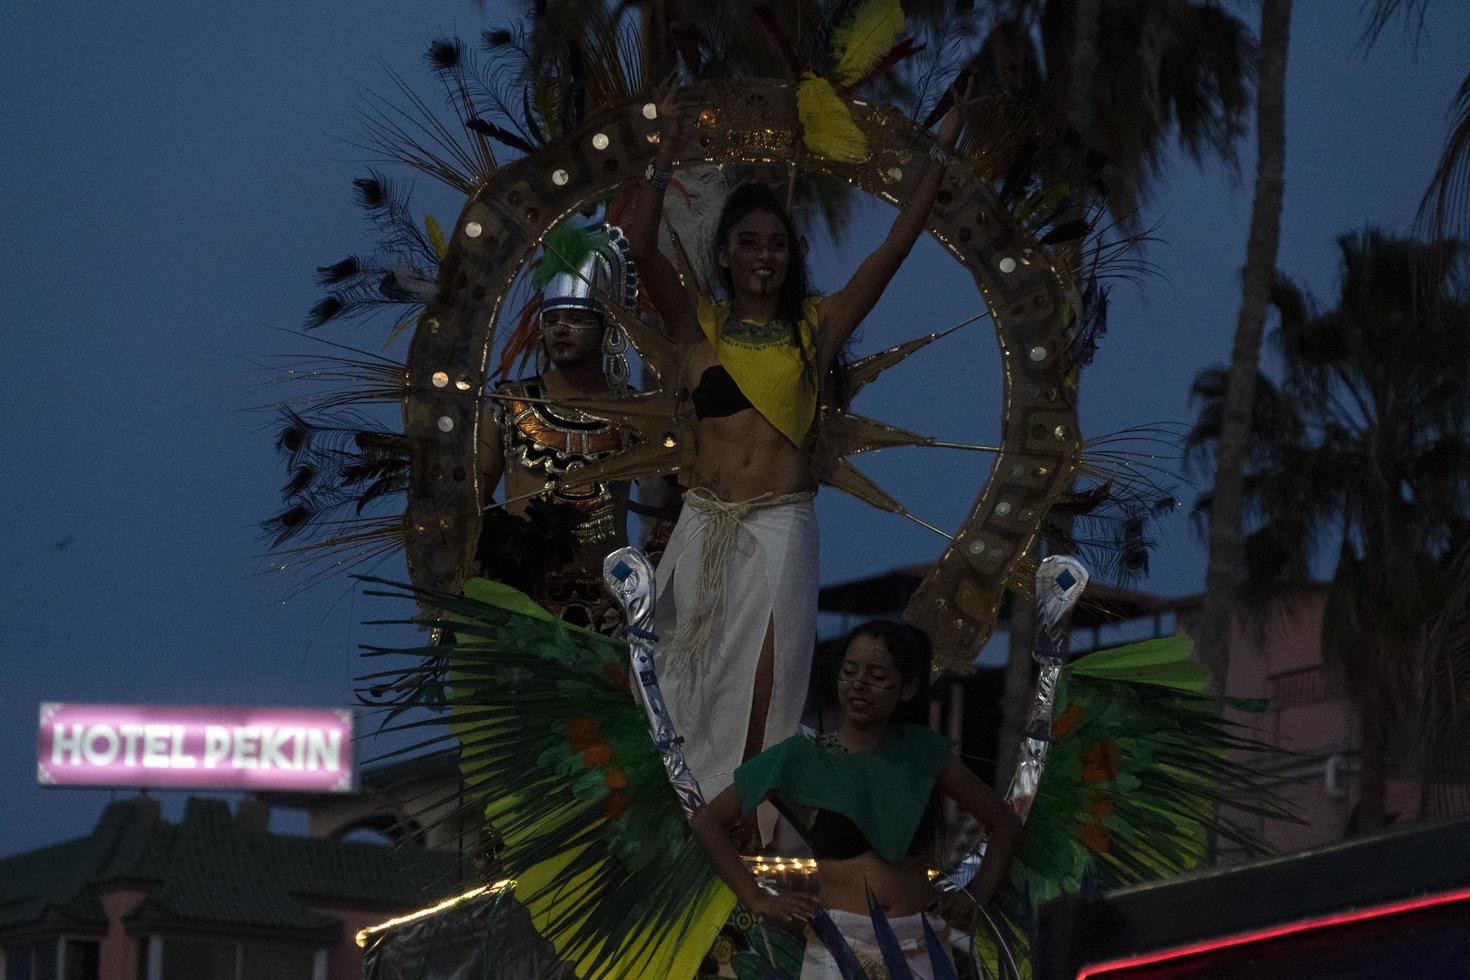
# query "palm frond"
(1445, 210)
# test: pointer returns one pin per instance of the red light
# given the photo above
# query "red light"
(1101, 970)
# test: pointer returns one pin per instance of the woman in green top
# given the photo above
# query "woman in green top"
(868, 785)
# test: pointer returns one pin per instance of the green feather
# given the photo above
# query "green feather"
(565, 250)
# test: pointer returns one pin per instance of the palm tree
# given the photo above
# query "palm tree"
(1094, 92)
(1444, 211)
(1256, 278)
(1365, 443)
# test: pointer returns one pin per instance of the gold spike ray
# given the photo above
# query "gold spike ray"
(865, 370)
(844, 434)
(849, 479)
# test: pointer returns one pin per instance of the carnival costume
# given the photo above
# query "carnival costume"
(864, 801)
(553, 747)
(556, 750)
(550, 443)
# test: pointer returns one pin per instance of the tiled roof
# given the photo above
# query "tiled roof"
(358, 872)
(215, 876)
(208, 871)
(57, 877)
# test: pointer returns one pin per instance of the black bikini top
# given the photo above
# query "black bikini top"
(717, 395)
(833, 837)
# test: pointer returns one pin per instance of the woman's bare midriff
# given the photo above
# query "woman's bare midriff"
(743, 456)
(901, 889)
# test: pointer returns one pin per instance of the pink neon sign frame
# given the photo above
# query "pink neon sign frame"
(306, 750)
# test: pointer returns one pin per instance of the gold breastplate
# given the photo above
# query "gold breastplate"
(553, 445)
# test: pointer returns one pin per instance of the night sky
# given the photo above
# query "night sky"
(171, 174)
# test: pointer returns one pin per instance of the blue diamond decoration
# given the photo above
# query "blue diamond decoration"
(1066, 580)
(621, 571)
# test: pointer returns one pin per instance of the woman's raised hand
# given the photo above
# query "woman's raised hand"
(963, 97)
(785, 908)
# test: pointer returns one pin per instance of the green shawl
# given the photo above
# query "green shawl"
(884, 790)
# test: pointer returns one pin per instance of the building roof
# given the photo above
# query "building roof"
(207, 871)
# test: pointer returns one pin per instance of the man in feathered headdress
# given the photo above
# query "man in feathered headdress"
(551, 533)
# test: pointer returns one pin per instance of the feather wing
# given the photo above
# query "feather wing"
(558, 754)
(1139, 765)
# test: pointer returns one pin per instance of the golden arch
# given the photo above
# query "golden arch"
(749, 122)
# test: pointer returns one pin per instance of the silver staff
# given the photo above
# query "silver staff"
(629, 577)
(1059, 584)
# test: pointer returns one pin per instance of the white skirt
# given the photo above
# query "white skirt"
(818, 963)
(770, 577)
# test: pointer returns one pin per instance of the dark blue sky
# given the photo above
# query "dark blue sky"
(172, 172)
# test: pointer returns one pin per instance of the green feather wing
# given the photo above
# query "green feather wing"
(1139, 764)
(554, 749)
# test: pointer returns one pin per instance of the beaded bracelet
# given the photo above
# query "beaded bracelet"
(659, 179)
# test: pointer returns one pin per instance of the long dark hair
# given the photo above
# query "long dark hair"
(912, 652)
(745, 200)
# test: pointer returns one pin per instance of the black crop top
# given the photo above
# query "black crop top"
(717, 395)
(833, 837)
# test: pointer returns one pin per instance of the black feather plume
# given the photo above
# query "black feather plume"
(1067, 231)
(381, 443)
(327, 275)
(288, 522)
(389, 289)
(301, 477)
(295, 435)
(329, 307)
(496, 39)
(372, 191)
(387, 484)
(445, 54)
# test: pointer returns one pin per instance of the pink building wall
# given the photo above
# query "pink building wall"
(1309, 715)
(118, 954)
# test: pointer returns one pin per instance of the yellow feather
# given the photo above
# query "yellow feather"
(436, 235)
(862, 42)
(828, 129)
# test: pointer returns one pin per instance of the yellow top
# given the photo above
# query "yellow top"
(766, 367)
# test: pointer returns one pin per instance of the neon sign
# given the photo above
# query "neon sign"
(300, 749)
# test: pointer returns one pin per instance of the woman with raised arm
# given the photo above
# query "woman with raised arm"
(737, 585)
(869, 791)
